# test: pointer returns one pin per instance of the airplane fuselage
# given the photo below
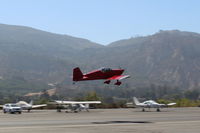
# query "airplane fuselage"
(95, 75)
(103, 73)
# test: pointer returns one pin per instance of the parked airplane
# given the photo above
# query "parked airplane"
(74, 106)
(103, 73)
(28, 106)
(150, 104)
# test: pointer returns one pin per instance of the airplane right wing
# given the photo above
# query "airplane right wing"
(77, 102)
(166, 105)
(171, 104)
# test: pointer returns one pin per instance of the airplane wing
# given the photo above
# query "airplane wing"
(39, 106)
(160, 105)
(166, 105)
(171, 104)
(143, 105)
(77, 102)
(119, 77)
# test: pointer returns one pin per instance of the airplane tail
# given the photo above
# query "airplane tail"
(85, 107)
(77, 74)
(31, 102)
(135, 101)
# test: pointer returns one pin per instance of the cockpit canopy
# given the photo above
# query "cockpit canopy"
(104, 69)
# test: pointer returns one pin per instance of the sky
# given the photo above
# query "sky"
(103, 21)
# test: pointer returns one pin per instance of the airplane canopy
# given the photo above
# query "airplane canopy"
(104, 69)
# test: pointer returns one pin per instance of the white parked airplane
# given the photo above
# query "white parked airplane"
(74, 106)
(150, 104)
(28, 106)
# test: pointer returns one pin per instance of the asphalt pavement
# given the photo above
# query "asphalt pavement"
(169, 120)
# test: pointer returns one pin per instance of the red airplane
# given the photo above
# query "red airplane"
(103, 73)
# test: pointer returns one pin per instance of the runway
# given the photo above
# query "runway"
(169, 120)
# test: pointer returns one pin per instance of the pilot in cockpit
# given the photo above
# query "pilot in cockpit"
(105, 69)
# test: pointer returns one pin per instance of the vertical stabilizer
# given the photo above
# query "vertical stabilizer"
(31, 102)
(77, 74)
(135, 101)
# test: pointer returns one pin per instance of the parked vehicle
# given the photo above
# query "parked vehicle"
(12, 108)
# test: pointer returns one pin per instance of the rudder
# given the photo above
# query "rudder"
(31, 102)
(77, 74)
(135, 101)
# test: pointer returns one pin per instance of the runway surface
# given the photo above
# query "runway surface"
(169, 120)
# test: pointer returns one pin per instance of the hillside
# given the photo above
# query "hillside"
(38, 55)
(34, 57)
(167, 57)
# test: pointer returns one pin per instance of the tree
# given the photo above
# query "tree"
(92, 96)
(192, 94)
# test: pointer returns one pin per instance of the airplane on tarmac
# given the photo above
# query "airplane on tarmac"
(103, 73)
(28, 106)
(150, 104)
(74, 106)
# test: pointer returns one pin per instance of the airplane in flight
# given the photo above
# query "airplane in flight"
(29, 106)
(103, 73)
(150, 104)
(74, 106)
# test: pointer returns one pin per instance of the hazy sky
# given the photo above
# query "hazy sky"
(103, 21)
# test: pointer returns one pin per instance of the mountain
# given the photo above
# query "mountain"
(167, 57)
(33, 57)
(38, 55)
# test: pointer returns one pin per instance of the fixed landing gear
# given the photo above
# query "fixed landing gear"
(58, 110)
(107, 82)
(158, 110)
(143, 110)
(118, 82)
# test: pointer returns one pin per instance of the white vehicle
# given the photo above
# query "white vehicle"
(11, 108)
(28, 106)
(150, 104)
(74, 106)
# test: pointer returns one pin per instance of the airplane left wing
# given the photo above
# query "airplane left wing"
(39, 106)
(118, 78)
